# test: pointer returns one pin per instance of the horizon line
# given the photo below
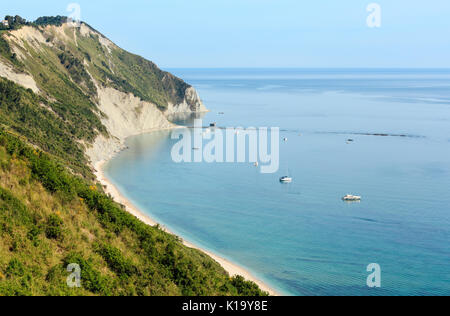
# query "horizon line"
(316, 68)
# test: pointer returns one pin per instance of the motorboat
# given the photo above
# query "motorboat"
(285, 179)
(351, 198)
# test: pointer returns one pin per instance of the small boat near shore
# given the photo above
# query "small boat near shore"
(351, 198)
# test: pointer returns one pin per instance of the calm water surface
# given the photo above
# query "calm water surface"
(301, 238)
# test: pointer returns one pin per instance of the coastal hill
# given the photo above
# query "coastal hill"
(68, 99)
(102, 93)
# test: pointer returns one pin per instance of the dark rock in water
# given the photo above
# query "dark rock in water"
(373, 134)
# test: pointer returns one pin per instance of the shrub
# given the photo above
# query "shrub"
(54, 228)
(117, 262)
(246, 288)
(91, 279)
(15, 268)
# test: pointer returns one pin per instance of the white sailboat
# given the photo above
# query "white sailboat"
(287, 179)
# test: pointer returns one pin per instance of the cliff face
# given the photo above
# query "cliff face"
(84, 76)
(124, 115)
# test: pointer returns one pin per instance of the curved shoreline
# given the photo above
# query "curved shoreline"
(231, 268)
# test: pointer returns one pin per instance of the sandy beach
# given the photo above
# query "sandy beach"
(230, 267)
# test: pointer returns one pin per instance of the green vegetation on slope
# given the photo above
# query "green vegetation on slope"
(165, 87)
(130, 73)
(45, 124)
(58, 77)
(50, 218)
(5, 51)
(52, 214)
(77, 71)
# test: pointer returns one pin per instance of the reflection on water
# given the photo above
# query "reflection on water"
(185, 119)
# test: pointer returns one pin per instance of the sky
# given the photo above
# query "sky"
(266, 33)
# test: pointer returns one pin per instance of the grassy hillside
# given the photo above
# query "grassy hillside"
(50, 218)
(79, 53)
(52, 213)
(34, 118)
(131, 73)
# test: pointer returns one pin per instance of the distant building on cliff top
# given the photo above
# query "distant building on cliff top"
(5, 22)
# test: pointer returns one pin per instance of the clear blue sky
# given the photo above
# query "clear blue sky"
(266, 33)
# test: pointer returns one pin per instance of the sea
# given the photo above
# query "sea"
(382, 134)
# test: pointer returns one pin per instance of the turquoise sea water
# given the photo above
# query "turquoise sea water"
(301, 238)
